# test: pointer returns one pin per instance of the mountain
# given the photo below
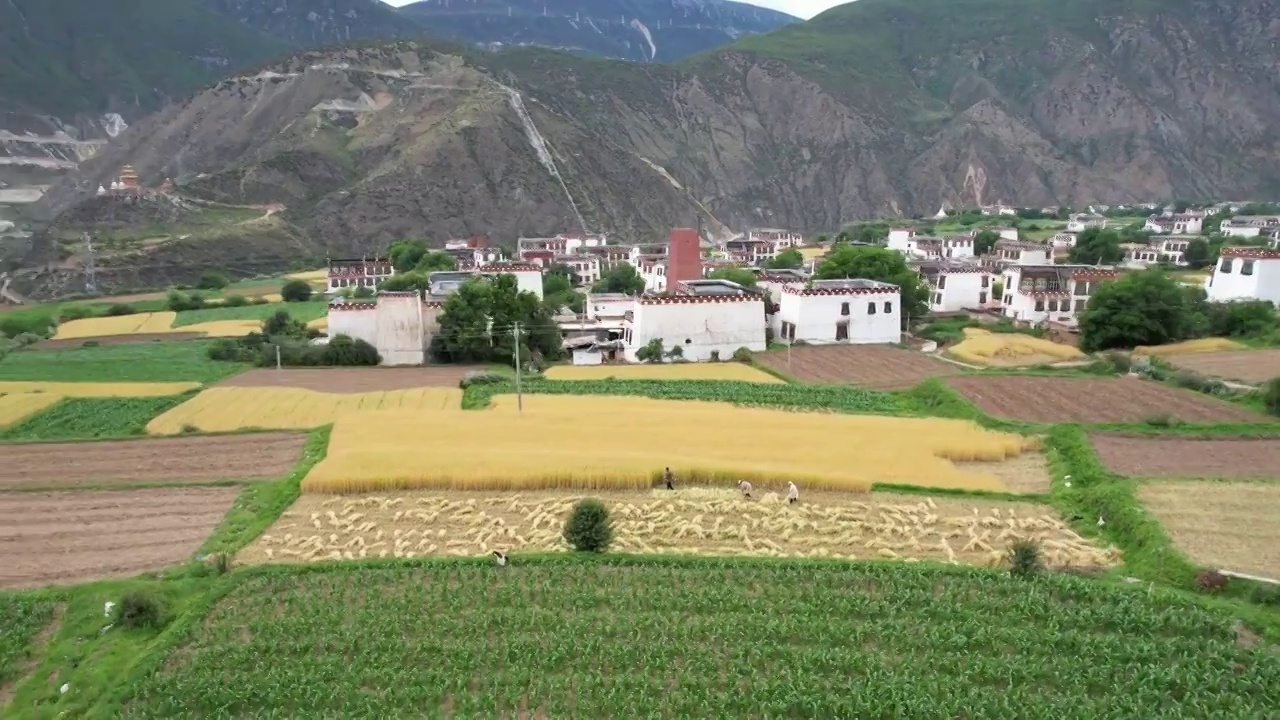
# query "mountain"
(318, 23)
(662, 30)
(879, 107)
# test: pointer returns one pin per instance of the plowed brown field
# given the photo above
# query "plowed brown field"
(1176, 457)
(69, 537)
(352, 380)
(1251, 366)
(176, 460)
(1092, 400)
(870, 366)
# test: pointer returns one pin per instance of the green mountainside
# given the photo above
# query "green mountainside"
(876, 108)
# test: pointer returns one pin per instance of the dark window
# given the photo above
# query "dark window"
(1246, 267)
(986, 280)
(1080, 305)
(1039, 306)
(1082, 288)
(1008, 299)
(871, 308)
(937, 299)
(1053, 306)
(982, 298)
(1225, 267)
(844, 308)
(842, 330)
(888, 307)
(942, 282)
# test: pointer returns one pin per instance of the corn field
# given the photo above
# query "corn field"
(675, 371)
(226, 409)
(698, 638)
(621, 443)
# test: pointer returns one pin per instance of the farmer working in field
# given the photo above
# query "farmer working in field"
(669, 479)
(745, 487)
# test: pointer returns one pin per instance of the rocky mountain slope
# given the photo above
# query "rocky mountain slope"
(663, 30)
(848, 116)
(318, 23)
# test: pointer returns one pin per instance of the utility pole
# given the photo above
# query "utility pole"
(515, 332)
(90, 267)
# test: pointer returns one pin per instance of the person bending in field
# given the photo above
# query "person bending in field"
(745, 487)
(669, 479)
(793, 494)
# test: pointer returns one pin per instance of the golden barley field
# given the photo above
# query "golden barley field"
(155, 323)
(672, 371)
(226, 409)
(1199, 345)
(311, 276)
(988, 349)
(623, 443)
(696, 521)
(16, 407)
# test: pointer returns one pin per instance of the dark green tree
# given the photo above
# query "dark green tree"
(622, 279)
(1145, 308)
(478, 321)
(985, 241)
(412, 280)
(876, 263)
(651, 351)
(1096, 246)
(1198, 254)
(296, 291)
(212, 280)
(742, 276)
(791, 259)
(439, 261)
(406, 254)
(558, 291)
(589, 528)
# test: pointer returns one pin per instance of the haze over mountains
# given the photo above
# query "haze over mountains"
(878, 107)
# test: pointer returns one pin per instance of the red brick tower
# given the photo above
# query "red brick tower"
(684, 258)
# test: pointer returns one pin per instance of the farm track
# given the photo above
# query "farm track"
(870, 366)
(1237, 458)
(352, 380)
(1092, 400)
(117, 340)
(70, 537)
(170, 460)
(1251, 366)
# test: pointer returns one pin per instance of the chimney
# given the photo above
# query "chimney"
(684, 258)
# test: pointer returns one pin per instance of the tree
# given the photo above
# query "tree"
(675, 353)
(1198, 254)
(282, 324)
(742, 276)
(791, 259)
(296, 291)
(622, 279)
(870, 233)
(212, 280)
(439, 261)
(651, 352)
(401, 282)
(589, 528)
(1145, 308)
(565, 272)
(478, 321)
(406, 254)
(558, 292)
(1241, 318)
(877, 263)
(984, 241)
(1096, 246)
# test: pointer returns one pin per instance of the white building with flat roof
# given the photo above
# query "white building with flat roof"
(956, 286)
(1246, 273)
(841, 311)
(708, 324)
(1058, 293)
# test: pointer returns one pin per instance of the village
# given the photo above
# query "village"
(690, 298)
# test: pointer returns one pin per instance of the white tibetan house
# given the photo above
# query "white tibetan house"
(859, 312)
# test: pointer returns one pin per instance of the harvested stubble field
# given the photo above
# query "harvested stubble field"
(872, 366)
(1250, 366)
(558, 638)
(353, 380)
(71, 537)
(1182, 457)
(503, 449)
(672, 371)
(160, 461)
(689, 521)
(228, 409)
(1227, 526)
(1092, 400)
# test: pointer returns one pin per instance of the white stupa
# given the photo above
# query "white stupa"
(941, 214)
(101, 191)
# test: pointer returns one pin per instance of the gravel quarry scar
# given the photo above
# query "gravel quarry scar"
(70, 537)
(178, 460)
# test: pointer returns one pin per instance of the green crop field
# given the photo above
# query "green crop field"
(87, 418)
(139, 362)
(704, 638)
(21, 618)
(304, 311)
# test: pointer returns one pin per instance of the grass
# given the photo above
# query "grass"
(546, 635)
(22, 619)
(140, 362)
(89, 418)
(304, 311)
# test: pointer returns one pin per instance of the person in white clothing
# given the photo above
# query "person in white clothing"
(793, 493)
(745, 487)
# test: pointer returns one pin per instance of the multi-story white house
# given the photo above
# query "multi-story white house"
(1248, 225)
(562, 243)
(357, 273)
(899, 238)
(1058, 293)
(473, 251)
(706, 319)
(1005, 233)
(1139, 255)
(999, 210)
(1019, 252)
(1246, 273)
(956, 286)
(758, 246)
(1079, 222)
(841, 311)
(1188, 223)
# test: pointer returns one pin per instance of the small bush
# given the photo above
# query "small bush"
(1121, 362)
(589, 528)
(1271, 397)
(742, 354)
(1025, 559)
(75, 312)
(362, 293)
(120, 310)
(17, 322)
(259, 301)
(235, 301)
(178, 301)
(1162, 421)
(346, 351)
(1189, 380)
(1265, 595)
(229, 350)
(139, 609)
(25, 339)
(481, 377)
(1211, 581)
(211, 280)
(296, 291)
